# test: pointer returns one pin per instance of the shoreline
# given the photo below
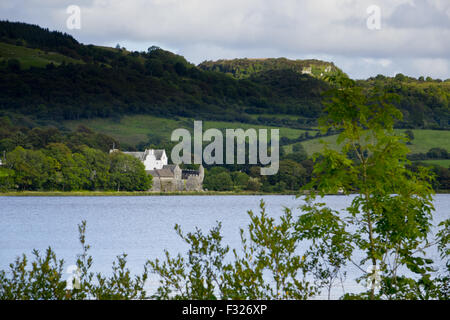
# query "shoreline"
(131, 193)
(150, 193)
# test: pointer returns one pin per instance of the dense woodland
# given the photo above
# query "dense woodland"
(47, 159)
(109, 82)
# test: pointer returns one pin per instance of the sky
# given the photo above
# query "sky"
(362, 37)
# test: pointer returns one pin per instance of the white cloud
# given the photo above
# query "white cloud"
(414, 31)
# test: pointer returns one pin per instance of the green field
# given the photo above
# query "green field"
(284, 132)
(132, 130)
(441, 162)
(423, 141)
(32, 57)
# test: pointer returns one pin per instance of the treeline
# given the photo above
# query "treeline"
(295, 170)
(149, 83)
(441, 181)
(424, 102)
(13, 135)
(47, 159)
(432, 154)
(33, 36)
(245, 68)
(57, 168)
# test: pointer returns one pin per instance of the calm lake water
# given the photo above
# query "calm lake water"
(140, 226)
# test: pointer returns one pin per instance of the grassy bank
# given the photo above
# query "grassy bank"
(140, 128)
(423, 141)
(147, 193)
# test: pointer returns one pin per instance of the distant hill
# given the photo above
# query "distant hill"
(49, 76)
(29, 57)
(93, 81)
(245, 68)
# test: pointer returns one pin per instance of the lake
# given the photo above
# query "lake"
(140, 226)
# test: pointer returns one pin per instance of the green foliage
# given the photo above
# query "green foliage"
(128, 173)
(240, 179)
(200, 275)
(57, 168)
(298, 153)
(254, 184)
(268, 266)
(438, 153)
(33, 169)
(423, 104)
(14, 135)
(6, 179)
(45, 279)
(391, 213)
(218, 179)
(330, 245)
(410, 135)
(46, 159)
(245, 68)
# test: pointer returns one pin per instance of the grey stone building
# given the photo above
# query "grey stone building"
(168, 177)
(172, 178)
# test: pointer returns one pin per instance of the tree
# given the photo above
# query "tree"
(128, 173)
(297, 156)
(153, 48)
(291, 173)
(73, 173)
(33, 169)
(180, 68)
(268, 266)
(154, 67)
(44, 278)
(6, 179)
(410, 134)
(437, 153)
(97, 162)
(254, 184)
(298, 147)
(390, 215)
(240, 179)
(218, 179)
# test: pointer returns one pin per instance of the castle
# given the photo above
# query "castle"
(168, 177)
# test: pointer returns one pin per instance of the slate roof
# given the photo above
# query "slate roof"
(167, 171)
(158, 153)
(186, 173)
(140, 155)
